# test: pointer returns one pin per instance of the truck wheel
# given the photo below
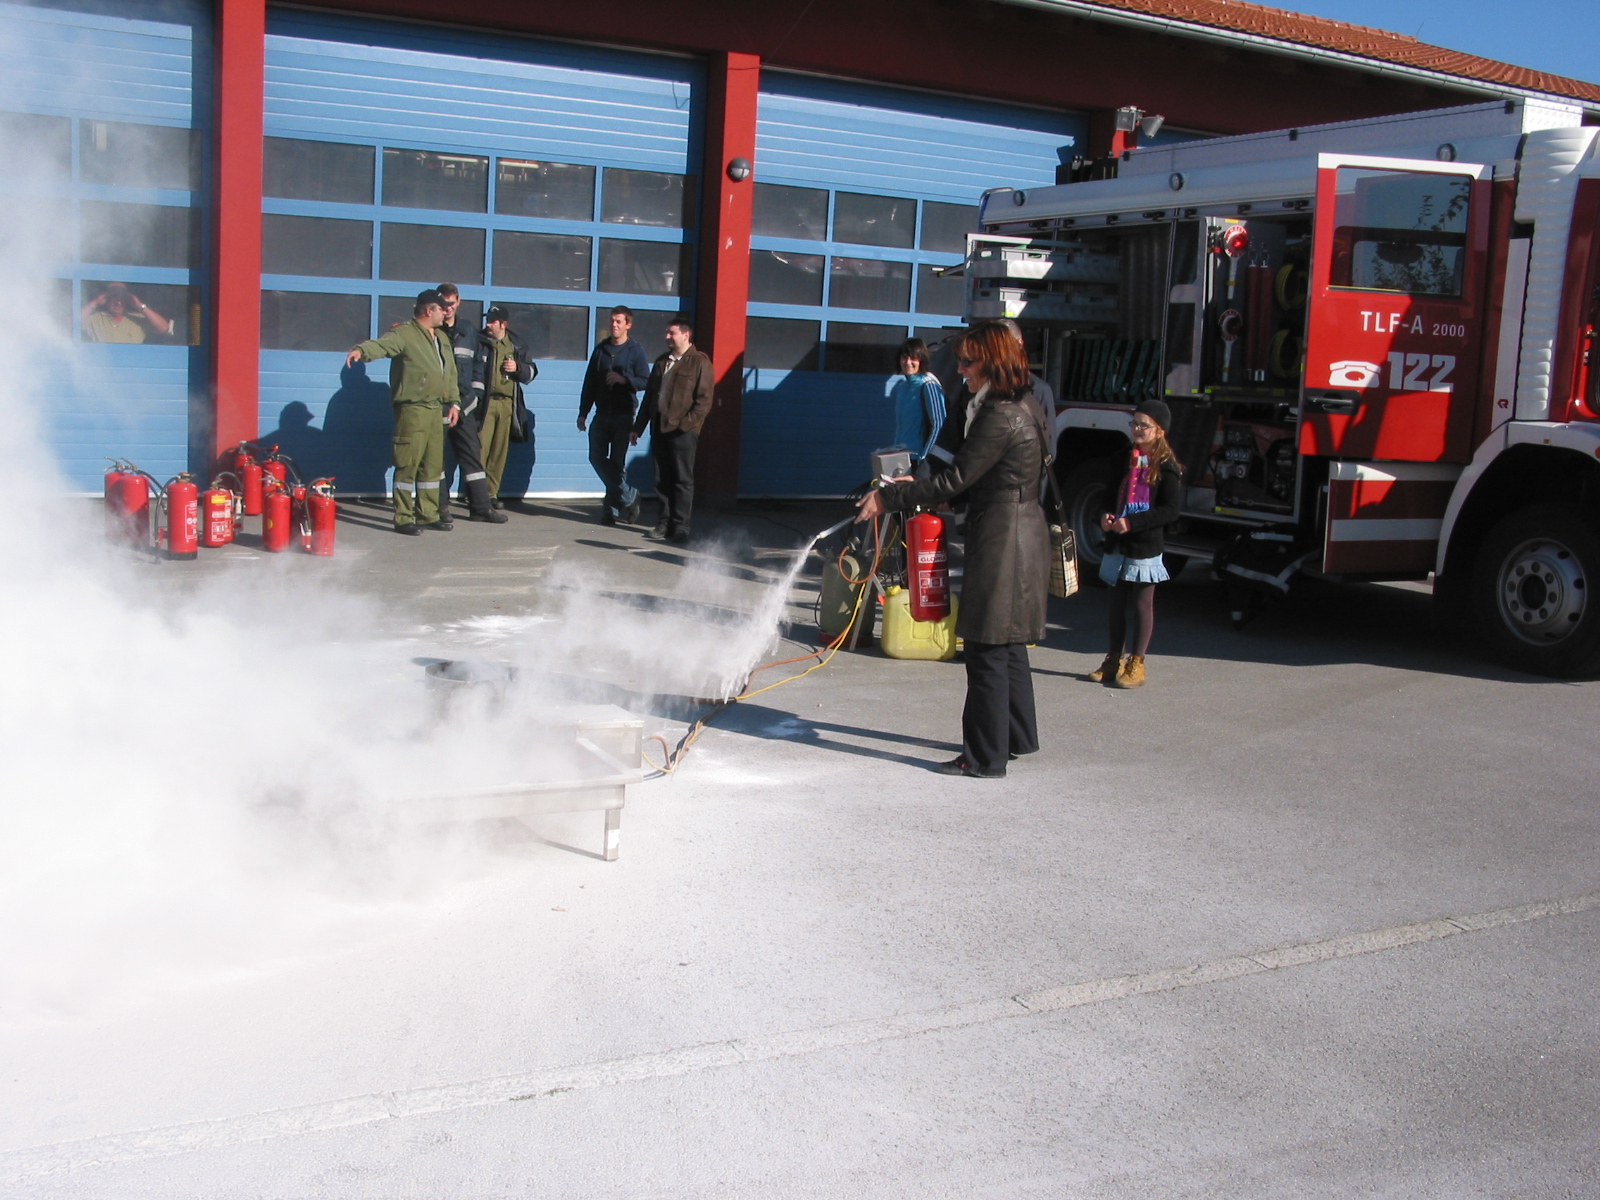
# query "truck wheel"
(1174, 563)
(1531, 591)
(1086, 491)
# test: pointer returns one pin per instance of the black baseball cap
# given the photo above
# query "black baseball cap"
(496, 313)
(429, 296)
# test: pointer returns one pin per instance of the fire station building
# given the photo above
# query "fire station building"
(277, 183)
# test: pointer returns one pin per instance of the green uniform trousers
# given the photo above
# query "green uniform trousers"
(418, 462)
(496, 440)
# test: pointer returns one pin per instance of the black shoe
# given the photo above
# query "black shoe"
(494, 503)
(410, 530)
(443, 525)
(658, 534)
(960, 766)
(630, 515)
(608, 518)
(679, 537)
(494, 518)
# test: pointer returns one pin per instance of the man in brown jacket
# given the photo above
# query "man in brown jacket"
(676, 401)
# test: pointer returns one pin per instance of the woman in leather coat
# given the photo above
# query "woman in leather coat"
(1007, 578)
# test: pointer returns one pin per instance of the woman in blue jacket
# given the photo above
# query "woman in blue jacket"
(918, 401)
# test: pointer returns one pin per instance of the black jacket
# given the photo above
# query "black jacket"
(482, 367)
(1000, 466)
(614, 399)
(1146, 536)
(462, 340)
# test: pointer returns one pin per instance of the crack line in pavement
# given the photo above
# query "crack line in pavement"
(167, 1140)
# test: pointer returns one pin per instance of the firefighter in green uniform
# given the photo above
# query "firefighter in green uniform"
(426, 395)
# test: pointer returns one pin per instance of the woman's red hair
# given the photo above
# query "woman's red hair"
(1001, 361)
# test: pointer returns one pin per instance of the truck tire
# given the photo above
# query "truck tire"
(1531, 595)
(1086, 492)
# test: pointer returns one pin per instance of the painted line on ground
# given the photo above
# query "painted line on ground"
(168, 1140)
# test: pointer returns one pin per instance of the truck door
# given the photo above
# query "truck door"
(1397, 300)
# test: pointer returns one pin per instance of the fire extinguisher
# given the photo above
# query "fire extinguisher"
(116, 522)
(276, 519)
(322, 512)
(279, 467)
(929, 576)
(183, 517)
(250, 474)
(299, 517)
(216, 514)
(133, 507)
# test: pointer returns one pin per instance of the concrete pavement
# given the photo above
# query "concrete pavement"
(803, 976)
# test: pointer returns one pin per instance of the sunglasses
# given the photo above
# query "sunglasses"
(966, 362)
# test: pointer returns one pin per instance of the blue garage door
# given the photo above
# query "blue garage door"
(863, 191)
(100, 191)
(550, 178)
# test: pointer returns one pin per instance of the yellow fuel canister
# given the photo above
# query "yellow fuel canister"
(906, 638)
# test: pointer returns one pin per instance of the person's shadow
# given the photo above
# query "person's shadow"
(302, 441)
(353, 445)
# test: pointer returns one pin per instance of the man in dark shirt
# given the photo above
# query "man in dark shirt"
(617, 370)
(462, 339)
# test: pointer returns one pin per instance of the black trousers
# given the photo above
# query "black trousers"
(462, 439)
(999, 718)
(608, 455)
(674, 455)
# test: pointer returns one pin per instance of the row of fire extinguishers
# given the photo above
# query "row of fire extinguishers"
(178, 518)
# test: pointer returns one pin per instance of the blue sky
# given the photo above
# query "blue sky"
(1562, 36)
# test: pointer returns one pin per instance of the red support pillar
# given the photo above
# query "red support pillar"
(723, 286)
(235, 327)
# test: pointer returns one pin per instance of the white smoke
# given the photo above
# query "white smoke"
(203, 780)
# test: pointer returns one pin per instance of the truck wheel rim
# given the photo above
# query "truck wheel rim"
(1542, 592)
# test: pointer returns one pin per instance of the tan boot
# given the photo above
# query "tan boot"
(1106, 670)
(1132, 673)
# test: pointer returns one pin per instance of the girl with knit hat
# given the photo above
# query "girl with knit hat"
(1148, 499)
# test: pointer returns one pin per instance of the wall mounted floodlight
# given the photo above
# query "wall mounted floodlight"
(1150, 126)
(740, 169)
(1128, 118)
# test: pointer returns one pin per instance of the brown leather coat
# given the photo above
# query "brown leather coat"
(1000, 465)
(684, 400)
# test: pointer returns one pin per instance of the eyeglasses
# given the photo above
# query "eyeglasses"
(1143, 425)
(966, 362)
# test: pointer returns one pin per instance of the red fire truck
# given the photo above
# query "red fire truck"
(1375, 338)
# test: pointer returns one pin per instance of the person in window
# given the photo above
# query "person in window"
(1007, 580)
(677, 400)
(116, 315)
(618, 369)
(918, 401)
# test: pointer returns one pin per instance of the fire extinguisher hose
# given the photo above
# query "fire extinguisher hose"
(823, 654)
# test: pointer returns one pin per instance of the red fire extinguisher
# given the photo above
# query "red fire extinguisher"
(216, 515)
(322, 512)
(134, 507)
(276, 466)
(183, 517)
(300, 518)
(116, 522)
(250, 474)
(929, 576)
(276, 519)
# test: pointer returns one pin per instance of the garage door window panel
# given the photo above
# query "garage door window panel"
(939, 293)
(329, 172)
(874, 220)
(45, 143)
(122, 154)
(781, 211)
(555, 261)
(862, 349)
(779, 277)
(428, 179)
(548, 190)
(649, 328)
(327, 246)
(397, 310)
(652, 198)
(872, 283)
(314, 320)
(643, 268)
(174, 303)
(945, 226)
(431, 253)
(138, 235)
